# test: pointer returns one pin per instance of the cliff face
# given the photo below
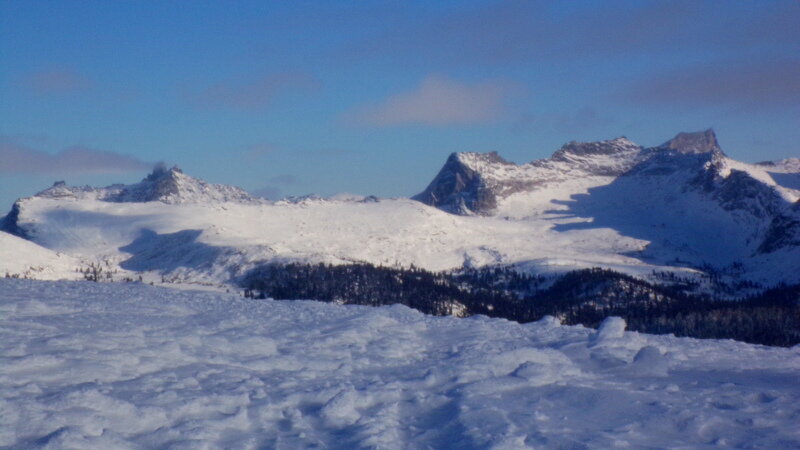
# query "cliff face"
(10, 223)
(696, 142)
(462, 187)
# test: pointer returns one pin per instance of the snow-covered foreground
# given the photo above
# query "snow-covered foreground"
(88, 365)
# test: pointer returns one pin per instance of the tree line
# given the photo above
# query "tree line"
(580, 297)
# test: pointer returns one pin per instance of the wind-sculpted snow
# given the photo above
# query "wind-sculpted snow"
(88, 365)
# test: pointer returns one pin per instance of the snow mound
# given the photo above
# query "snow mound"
(88, 365)
(612, 328)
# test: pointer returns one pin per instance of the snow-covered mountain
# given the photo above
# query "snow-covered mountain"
(682, 207)
(685, 197)
(170, 186)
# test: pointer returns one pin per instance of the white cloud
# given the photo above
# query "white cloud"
(20, 159)
(438, 101)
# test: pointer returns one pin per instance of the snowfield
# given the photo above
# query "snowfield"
(87, 365)
(26, 259)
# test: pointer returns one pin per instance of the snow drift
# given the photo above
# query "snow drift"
(88, 365)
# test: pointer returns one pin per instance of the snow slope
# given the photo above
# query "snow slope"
(214, 242)
(19, 257)
(88, 365)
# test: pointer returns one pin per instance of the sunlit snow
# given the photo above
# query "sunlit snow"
(87, 365)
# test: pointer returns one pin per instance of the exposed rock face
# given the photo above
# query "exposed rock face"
(160, 185)
(740, 191)
(604, 158)
(697, 142)
(9, 223)
(784, 231)
(460, 187)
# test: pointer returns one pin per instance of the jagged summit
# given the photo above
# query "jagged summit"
(162, 184)
(166, 185)
(612, 157)
(160, 171)
(474, 159)
(602, 148)
(460, 187)
(694, 143)
(472, 183)
(173, 186)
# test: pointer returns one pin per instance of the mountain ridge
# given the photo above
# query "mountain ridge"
(681, 207)
(473, 183)
(170, 186)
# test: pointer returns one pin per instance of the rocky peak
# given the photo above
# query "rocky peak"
(160, 172)
(473, 183)
(573, 149)
(60, 189)
(163, 183)
(603, 158)
(173, 186)
(459, 187)
(476, 160)
(694, 143)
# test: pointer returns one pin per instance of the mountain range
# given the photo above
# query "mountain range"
(683, 208)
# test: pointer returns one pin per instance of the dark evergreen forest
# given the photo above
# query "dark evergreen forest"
(581, 297)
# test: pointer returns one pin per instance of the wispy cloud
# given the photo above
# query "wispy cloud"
(19, 159)
(580, 120)
(268, 192)
(437, 101)
(773, 84)
(55, 81)
(252, 94)
(274, 189)
(284, 179)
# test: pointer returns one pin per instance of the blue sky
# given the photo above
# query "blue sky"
(290, 98)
